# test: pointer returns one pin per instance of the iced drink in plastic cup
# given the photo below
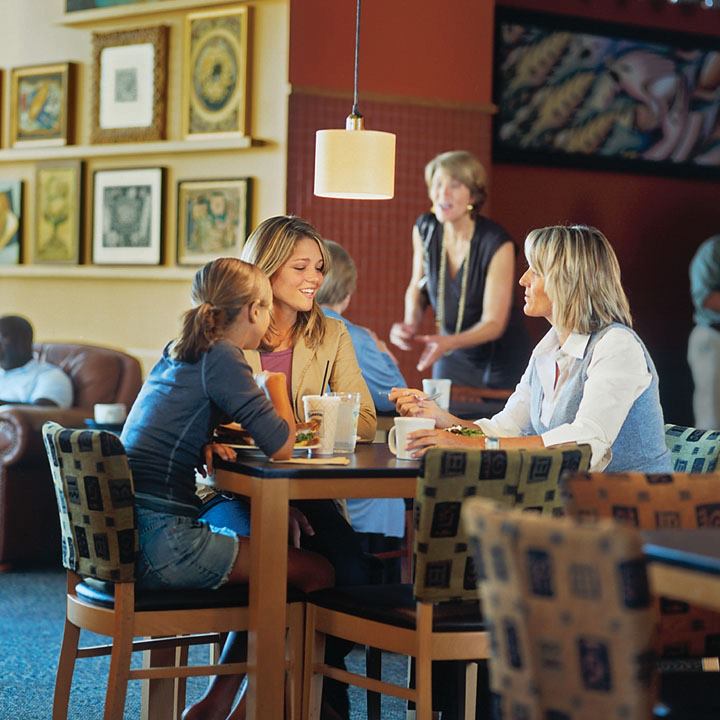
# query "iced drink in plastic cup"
(325, 409)
(347, 422)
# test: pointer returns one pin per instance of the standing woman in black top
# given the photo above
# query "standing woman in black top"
(464, 265)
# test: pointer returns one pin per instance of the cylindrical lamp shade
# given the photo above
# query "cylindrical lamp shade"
(355, 164)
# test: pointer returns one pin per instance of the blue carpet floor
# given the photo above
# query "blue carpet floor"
(32, 613)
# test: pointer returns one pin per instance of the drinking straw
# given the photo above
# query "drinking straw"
(325, 374)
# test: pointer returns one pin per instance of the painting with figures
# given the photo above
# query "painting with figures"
(10, 221)
(604, 95)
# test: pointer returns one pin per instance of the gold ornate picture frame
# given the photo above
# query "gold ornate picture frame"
(215, 102)
(129, 85)
(41, 105)
(11, 221)
(213, 218)
(58, 208)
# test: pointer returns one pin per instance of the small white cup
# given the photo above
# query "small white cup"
(110, 413)
(324, 408)
(397, 437)
(432, 386)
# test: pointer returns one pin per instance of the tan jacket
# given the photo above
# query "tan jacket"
(344, 374)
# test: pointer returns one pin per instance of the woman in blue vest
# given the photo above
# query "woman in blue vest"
(589, 380)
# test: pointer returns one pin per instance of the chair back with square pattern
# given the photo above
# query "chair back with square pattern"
(569, 613)
(692, 450)
(529, 478)
(679, 500)
(95, 498)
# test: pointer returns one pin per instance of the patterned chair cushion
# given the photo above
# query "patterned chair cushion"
(569, 612)
(692, 450)
(95, 498)
(528, 478)
(541, 472)
(679, 500)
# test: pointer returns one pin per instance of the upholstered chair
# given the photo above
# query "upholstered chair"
(569, 613)
(436, 618)
(95, 499)
(692, 450)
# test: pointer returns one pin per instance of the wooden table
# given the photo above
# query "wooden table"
(685, 564)
(373, 472)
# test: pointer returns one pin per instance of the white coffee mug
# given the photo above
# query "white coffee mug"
(110, 413)
(397, 437)
(440, 387)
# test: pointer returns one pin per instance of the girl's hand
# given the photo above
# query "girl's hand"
(298, 525)
(414, 403)
(435, 347)
(421, 440)
(222, 451)
(401, 334)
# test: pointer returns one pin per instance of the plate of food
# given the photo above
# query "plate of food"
(307, 436)
(464, 430)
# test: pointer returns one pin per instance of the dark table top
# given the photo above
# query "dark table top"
(368, 460)
(697, 549)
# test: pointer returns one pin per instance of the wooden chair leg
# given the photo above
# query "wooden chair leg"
(296, 648)
(423, 661)
(471, 681)
(66, 668)
(373, 669)
(312, 681)
(118, 677)
(181, 660)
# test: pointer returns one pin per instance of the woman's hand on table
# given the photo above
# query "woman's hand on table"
(419, 441)
(298, 525)
(415, 403)
(435, 347)
(402, 334)
(222, 451)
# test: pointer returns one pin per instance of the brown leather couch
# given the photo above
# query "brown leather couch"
(29, 526)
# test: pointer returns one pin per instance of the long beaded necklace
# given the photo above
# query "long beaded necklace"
(440, 313)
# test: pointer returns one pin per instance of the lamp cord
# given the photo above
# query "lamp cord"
(355, 109)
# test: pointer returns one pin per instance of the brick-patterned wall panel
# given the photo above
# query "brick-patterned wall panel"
(378, 233)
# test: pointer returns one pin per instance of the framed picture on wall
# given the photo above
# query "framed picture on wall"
(602, 95)
(215, 73)
(212, 219)
(58, 201)
(127, 216)
(129, 85)
(41, 106)
(11, 204)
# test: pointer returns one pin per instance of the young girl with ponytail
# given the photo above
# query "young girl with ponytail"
(201, 381)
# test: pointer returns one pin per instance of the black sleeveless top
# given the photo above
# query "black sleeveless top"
(499, 363)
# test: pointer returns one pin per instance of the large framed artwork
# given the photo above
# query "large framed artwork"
(212, 219)
(41, 109)
(11, 204)
(127, 216)
(58, 202)
(129, 87)
(602, 95)
(215, 73)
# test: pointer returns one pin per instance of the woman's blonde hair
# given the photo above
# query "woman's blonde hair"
(582, 277)
(341, 279)
(269, 247)
(464, 167)
(220, 290)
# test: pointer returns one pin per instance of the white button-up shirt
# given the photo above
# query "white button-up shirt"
(617, 375)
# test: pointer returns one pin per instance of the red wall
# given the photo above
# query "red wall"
(655, 223)
(440, 54)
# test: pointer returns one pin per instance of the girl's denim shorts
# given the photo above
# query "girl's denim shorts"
(182, 552)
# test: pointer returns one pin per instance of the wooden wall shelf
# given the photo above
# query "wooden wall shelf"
(99, 272)
(162, 147)
(99, 15)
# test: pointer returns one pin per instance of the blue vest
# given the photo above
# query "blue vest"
(640, 444)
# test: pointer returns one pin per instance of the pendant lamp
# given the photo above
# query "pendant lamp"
(355, 163)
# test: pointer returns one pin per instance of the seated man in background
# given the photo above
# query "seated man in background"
(23, 379)
(379, 522)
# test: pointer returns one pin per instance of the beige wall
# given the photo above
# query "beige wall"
(135, 309)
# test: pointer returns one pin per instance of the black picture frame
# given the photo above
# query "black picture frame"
(583, 94)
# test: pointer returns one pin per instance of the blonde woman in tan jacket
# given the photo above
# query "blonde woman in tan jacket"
(301, 342)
